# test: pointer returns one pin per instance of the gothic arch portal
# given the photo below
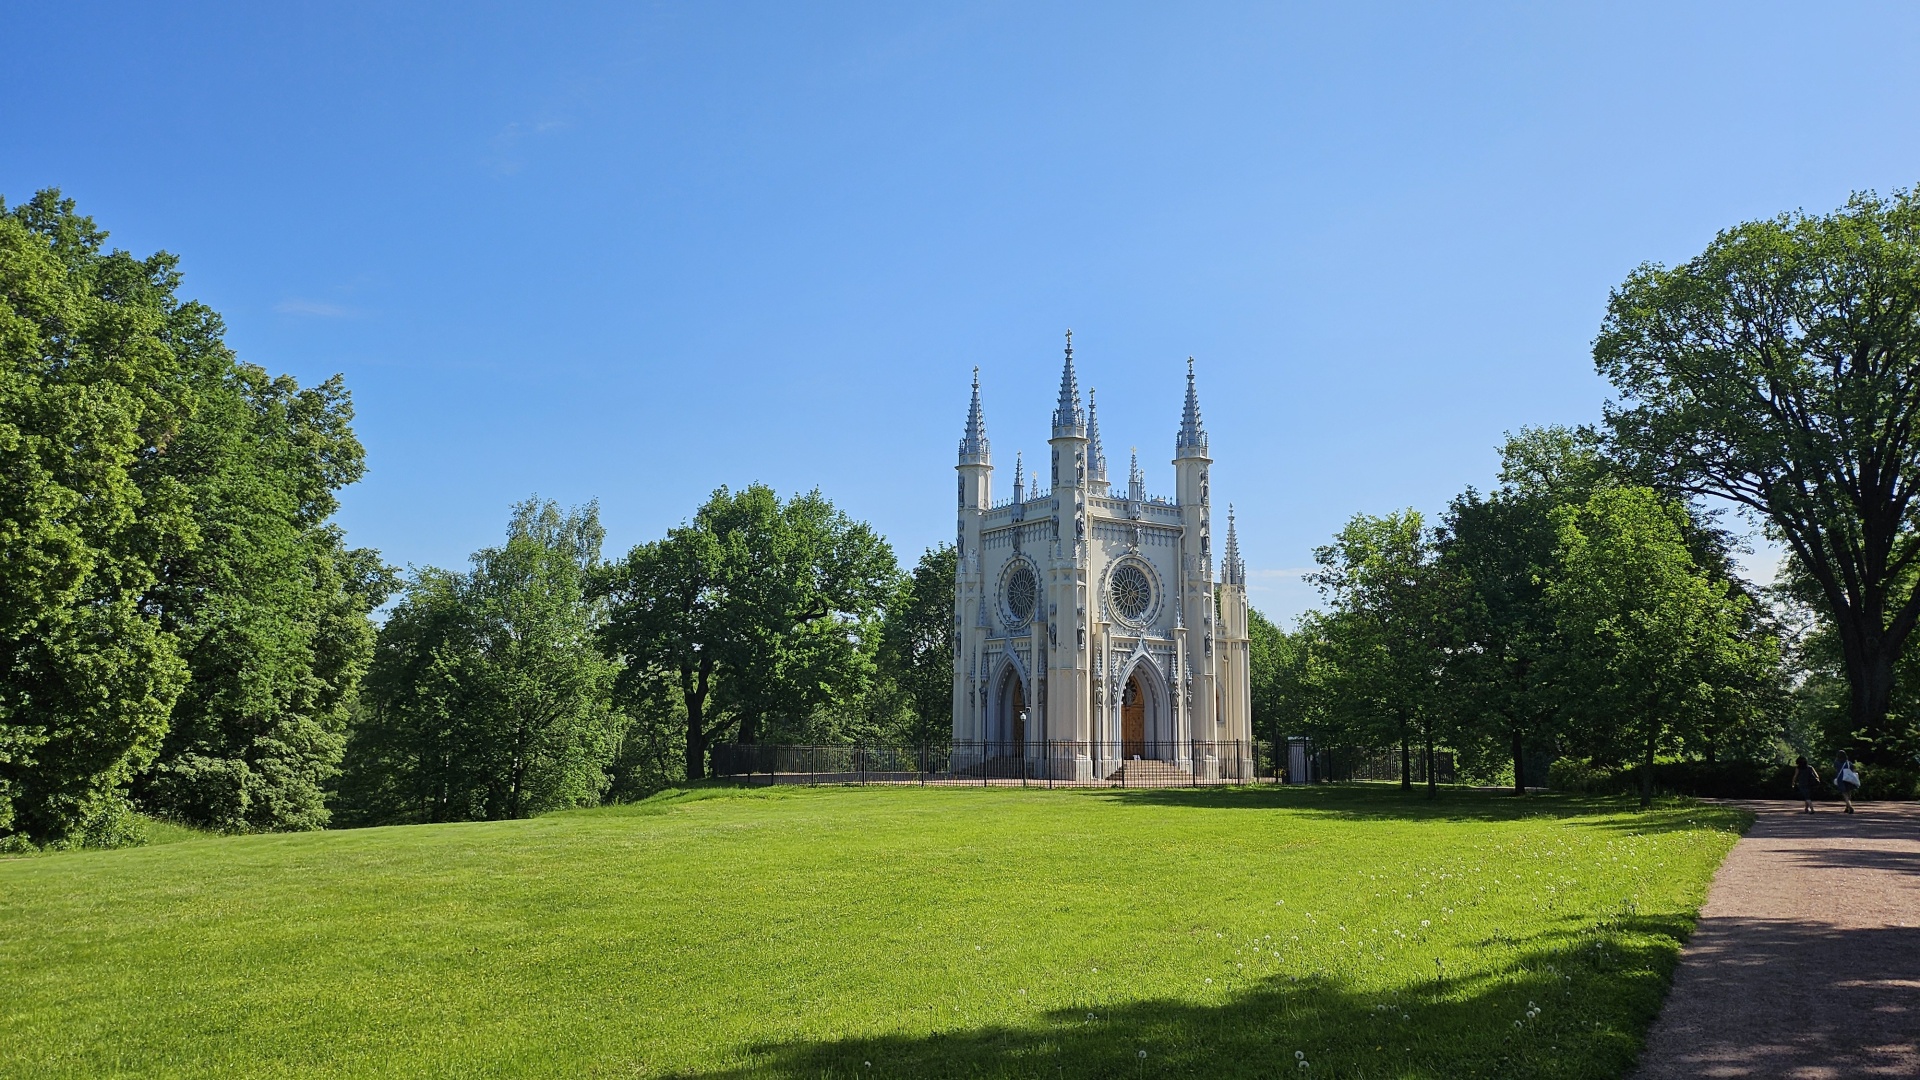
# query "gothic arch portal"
(1012, 696)
(1143, 719)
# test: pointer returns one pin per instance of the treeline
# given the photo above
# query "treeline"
(184, 632)
(1588, 611)
(1574, 613)
(546, 677)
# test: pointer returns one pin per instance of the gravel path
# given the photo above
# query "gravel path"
(1806, 962)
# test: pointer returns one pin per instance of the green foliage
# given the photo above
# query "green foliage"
(176, 616)
(757, 613)
(1655, 649)
(488, 697)
(799, 934)
(917, 645)
(91, 394)
(1780, 369)
(1387, 639)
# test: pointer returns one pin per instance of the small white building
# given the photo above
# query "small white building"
(1090, 636)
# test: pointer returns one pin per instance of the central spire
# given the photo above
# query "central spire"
(1069, 421)
(1192, 440)
(973, 445)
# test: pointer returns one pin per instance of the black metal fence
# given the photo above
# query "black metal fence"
(985, 764)
(1384, 765)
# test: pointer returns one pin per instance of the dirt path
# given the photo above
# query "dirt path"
(1806, 962)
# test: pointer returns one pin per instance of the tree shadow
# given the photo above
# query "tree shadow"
(1782, 997)
(1575, 1002)
(1450, 804)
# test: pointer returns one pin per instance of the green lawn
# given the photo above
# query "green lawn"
(884, 932)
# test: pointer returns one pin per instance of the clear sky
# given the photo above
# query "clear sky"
(633, 252)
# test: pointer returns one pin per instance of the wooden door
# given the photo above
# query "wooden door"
(1133, 721)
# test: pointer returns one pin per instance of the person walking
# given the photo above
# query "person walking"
(1804, 781)
(1846, 778)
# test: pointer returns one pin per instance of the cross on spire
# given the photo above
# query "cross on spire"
(1192, 440)
(973, 445)
(1069, 421)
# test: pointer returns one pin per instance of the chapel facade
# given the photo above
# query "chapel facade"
(1090, 634)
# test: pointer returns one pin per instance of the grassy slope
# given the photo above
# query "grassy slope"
(929, 932)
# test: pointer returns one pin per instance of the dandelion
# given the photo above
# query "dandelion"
(1089, 1016)
(1143, 1055)
(1426, 922)
(1299, 1055)
(1209, 982)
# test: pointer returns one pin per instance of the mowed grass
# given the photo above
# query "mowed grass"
(876, 932)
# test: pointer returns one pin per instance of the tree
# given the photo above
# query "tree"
(90, 397)
(1654, 647)
(757, 612)
(1500, 550)
(1780, 369)
(488, 696)
(1388, 636)
(917, 643)
(270, 607)
(167, 509)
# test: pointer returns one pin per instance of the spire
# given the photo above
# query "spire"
(1136, 483)
(1232, 570)
(1096, 456)
(1192, 441)
(973, 445)
(1068, 419)
(1019, 478)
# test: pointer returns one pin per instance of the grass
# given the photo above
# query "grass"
(876, 932)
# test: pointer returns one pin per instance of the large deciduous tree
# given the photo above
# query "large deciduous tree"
(488, 696)
(1780, 369)
(1655, 648)
(757, 611)
(178, 618)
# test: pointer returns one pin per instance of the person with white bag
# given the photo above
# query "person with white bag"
(1846, 778)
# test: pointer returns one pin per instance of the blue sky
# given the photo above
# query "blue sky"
(634, 252)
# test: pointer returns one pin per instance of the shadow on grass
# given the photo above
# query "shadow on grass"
(1596, 988)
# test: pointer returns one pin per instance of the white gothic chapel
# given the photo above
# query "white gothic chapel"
(1091, 638)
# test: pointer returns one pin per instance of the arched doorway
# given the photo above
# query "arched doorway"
(1133, 719)
(1010, 720)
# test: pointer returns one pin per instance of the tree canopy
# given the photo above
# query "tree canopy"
(1780, 369)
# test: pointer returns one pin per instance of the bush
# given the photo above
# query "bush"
(1722, 780)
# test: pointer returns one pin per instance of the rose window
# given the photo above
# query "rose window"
(1022, 590)
(1131, 592)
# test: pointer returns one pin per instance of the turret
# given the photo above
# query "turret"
(976, 457)
(1190, 465)
(1096, 454)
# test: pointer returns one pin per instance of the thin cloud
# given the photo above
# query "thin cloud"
(507, 156)
(318, 309)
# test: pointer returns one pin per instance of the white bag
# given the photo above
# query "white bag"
(1849, 777)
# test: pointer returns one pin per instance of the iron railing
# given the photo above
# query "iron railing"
(1051, 763)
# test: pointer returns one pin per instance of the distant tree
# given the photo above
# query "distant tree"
(917, 643)
(757, 611)
(1500, 550)
(1654, 646)
(1780, 369)
(1388, 634)
(488, 697)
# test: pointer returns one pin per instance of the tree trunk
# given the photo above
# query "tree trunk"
(1519, 764)
(693, 690)
(1646, 771)
(1433, 780)
(1870, 680)
(1406, 765)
